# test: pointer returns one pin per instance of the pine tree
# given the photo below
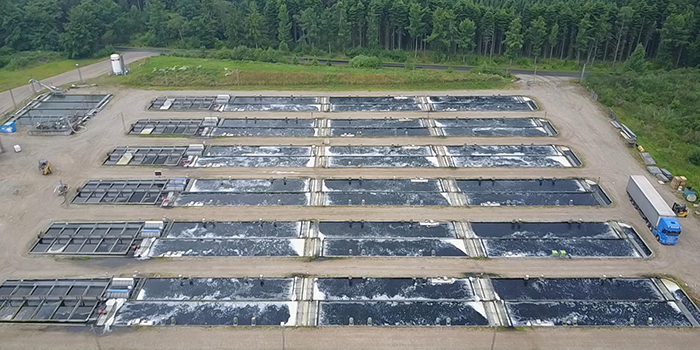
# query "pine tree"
(254, 25)
(552, 38)
(328, 29)
(636, 62)
(625, 17)
(373, 24)
(271, 11)
(441, 38)
(344, 36)
(674, 36)
(416, 24)
(583, 36)
(536, 34)
(284, 27)
(465, 40)
(398, 16)
(514, 39)
(487, 30)
(310, 26)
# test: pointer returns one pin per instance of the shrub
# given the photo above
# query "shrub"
(222, 54)
(270, 55)
(355, 51)
(397, 55)
(284, 47)
(27, 59)
(363, 61)
(694, 157)
(295, 59)
(4, 60)
(494, 71)
(387, 55)
(6, 51)
(106, 51)
(241, 53)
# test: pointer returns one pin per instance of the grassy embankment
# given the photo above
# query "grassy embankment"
(663, 109)
(424, 57)
(167, 72)
(11, 78)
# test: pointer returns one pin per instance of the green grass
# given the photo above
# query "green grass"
(663, 145)
(661, 107)
(168, 72)
(428, 57)
(10, 79)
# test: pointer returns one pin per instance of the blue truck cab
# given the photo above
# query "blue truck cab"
(667, 231)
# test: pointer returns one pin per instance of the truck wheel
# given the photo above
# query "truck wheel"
(658, 239)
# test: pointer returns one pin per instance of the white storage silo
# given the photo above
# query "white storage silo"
(117, 64)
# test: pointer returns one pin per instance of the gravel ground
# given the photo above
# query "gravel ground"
(28, 205)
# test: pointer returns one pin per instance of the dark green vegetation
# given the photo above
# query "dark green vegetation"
(452, 30)
(168, 72)
(26, 59)
(661, 107)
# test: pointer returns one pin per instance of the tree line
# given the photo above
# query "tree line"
(586, 30)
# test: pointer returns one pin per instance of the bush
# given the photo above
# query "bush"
(106, 51)
(306, 50)
(284, 47)
(4, 60)
(239, 53)
(27, 59)
(355, 51)
(295, 60)
(6, 51)
(396, 55)
(222, 54)
(363, 61)
(439, 57)
(387, 55)
(494, 71)
(694, 157)
(270, 55)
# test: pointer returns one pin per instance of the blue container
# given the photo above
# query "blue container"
(8, 128)
(688, 191)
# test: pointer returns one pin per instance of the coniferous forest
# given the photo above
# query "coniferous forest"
(585, 31)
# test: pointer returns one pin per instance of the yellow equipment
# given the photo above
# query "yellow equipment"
(45, 167)
(680, 209)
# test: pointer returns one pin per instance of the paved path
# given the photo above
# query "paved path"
(94, 70)
(29, 337)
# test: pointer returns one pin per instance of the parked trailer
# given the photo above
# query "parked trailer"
(659, 217)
